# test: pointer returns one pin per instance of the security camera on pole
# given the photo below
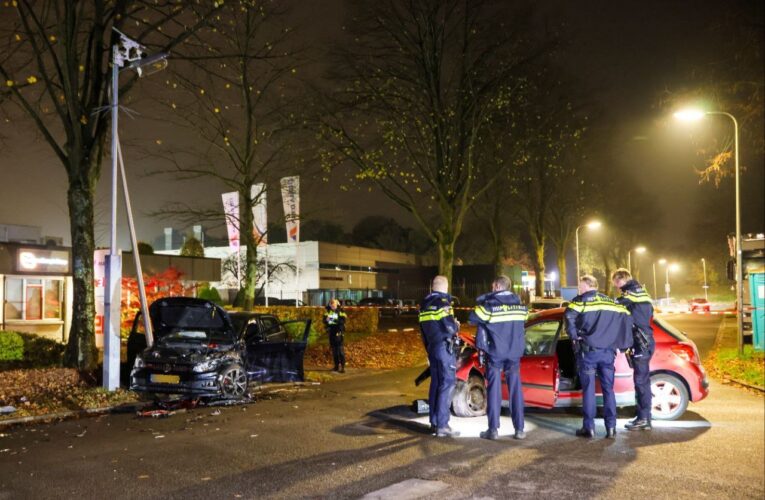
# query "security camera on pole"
(126, 54)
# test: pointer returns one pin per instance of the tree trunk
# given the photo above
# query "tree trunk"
(446, 259)
(81, 348)
(562, 267)
(251, 263)
(539, 267)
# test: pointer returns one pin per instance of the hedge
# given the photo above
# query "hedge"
(11, 346)
(360, 319)
(37, 352)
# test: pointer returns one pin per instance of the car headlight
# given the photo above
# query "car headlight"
(207, 366)
(138, 363)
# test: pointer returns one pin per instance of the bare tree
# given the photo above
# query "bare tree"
(418, 88)
(238, 96)
(56, 66)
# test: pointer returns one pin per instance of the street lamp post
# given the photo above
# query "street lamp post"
(629, 256)
(591, 225)
(704, 267)
(695, 115)
(655, 289)
(669, 267)
(126, 54)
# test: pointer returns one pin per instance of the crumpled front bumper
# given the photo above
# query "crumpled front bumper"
(193, 384)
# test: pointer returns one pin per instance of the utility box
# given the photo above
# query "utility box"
(757, 294)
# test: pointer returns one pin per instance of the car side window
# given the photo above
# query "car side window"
(252, 332)
(270, 325)
(540, 338)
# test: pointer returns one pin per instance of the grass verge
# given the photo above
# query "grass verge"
(748, 367)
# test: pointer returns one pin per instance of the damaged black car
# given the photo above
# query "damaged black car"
(199, 351)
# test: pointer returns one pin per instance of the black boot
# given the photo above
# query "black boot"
(342, 368)
(639, 424)
(611, 433)
(490, 434)
(585, 433)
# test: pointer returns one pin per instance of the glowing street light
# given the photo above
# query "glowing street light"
(692, 115)
(640, 249)
(595, 224)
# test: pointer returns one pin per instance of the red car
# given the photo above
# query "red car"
(548, 371)
(699, 305)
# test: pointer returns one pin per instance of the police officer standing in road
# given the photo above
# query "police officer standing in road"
(638, 303)
(500, 318)
(597, 326)
(334, 320)
(439, 329)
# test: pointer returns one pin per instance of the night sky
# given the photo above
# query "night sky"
(624, 53)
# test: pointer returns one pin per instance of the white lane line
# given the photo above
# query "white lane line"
(409, 489)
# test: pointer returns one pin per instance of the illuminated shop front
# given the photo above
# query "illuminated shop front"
(35, 289)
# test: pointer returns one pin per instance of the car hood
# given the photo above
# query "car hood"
(185, 353)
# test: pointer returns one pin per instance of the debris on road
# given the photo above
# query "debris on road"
(7, 410)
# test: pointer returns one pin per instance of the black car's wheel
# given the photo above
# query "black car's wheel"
(669, 397)
(233, 382)
(469, 399)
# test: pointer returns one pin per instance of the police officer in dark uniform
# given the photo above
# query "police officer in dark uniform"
(334, 320)
(439, 329)
(637, 301)
(500, 318)
(597, 326)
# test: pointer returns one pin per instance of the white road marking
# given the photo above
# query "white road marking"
(409, 489)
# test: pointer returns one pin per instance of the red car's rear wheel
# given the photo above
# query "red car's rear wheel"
(669, 397)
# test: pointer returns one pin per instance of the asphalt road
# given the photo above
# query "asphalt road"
(353, 436)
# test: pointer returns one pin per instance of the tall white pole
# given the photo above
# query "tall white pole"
(629, 261)
(655, 291)
(666, 283)
(113, 264)
(265, 284)
(297, 273)
(704, 267)
(576, 238)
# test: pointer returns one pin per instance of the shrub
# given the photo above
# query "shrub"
(145, 248)
(211, 294)
(36, 351)
(11, 346)
(192, 247)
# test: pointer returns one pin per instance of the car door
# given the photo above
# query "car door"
(539, 364)
(271, 355)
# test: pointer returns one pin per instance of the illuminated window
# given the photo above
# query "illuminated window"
(29, 299)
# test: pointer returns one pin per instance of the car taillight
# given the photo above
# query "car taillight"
(685, 351)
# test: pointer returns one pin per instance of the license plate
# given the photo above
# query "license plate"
(165, 379)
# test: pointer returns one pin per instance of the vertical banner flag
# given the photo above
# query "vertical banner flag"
(291, 202)
(259, 215)
(231, 210)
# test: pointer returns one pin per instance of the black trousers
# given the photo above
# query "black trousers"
(336, 344)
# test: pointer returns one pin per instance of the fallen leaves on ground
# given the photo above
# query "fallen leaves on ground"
(381, 350)
(52, 390)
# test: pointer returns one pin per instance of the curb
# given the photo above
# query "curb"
(67, 415)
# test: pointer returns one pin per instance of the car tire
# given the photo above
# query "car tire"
(469, 399)
(233, 382)
(669, 397)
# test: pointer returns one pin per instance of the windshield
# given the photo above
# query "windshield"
(191, 324)
(674, 332)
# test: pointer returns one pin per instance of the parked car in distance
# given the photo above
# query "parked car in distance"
(699, 304)
(387, 307)
(544, 304)
(348, 302)
(549, 379)
(200, 350)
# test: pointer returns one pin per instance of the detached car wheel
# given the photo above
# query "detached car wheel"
(469, 399)
(233, 382)
(669, 397)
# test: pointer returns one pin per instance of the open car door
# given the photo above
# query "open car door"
(271, 358)
(539, 365)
